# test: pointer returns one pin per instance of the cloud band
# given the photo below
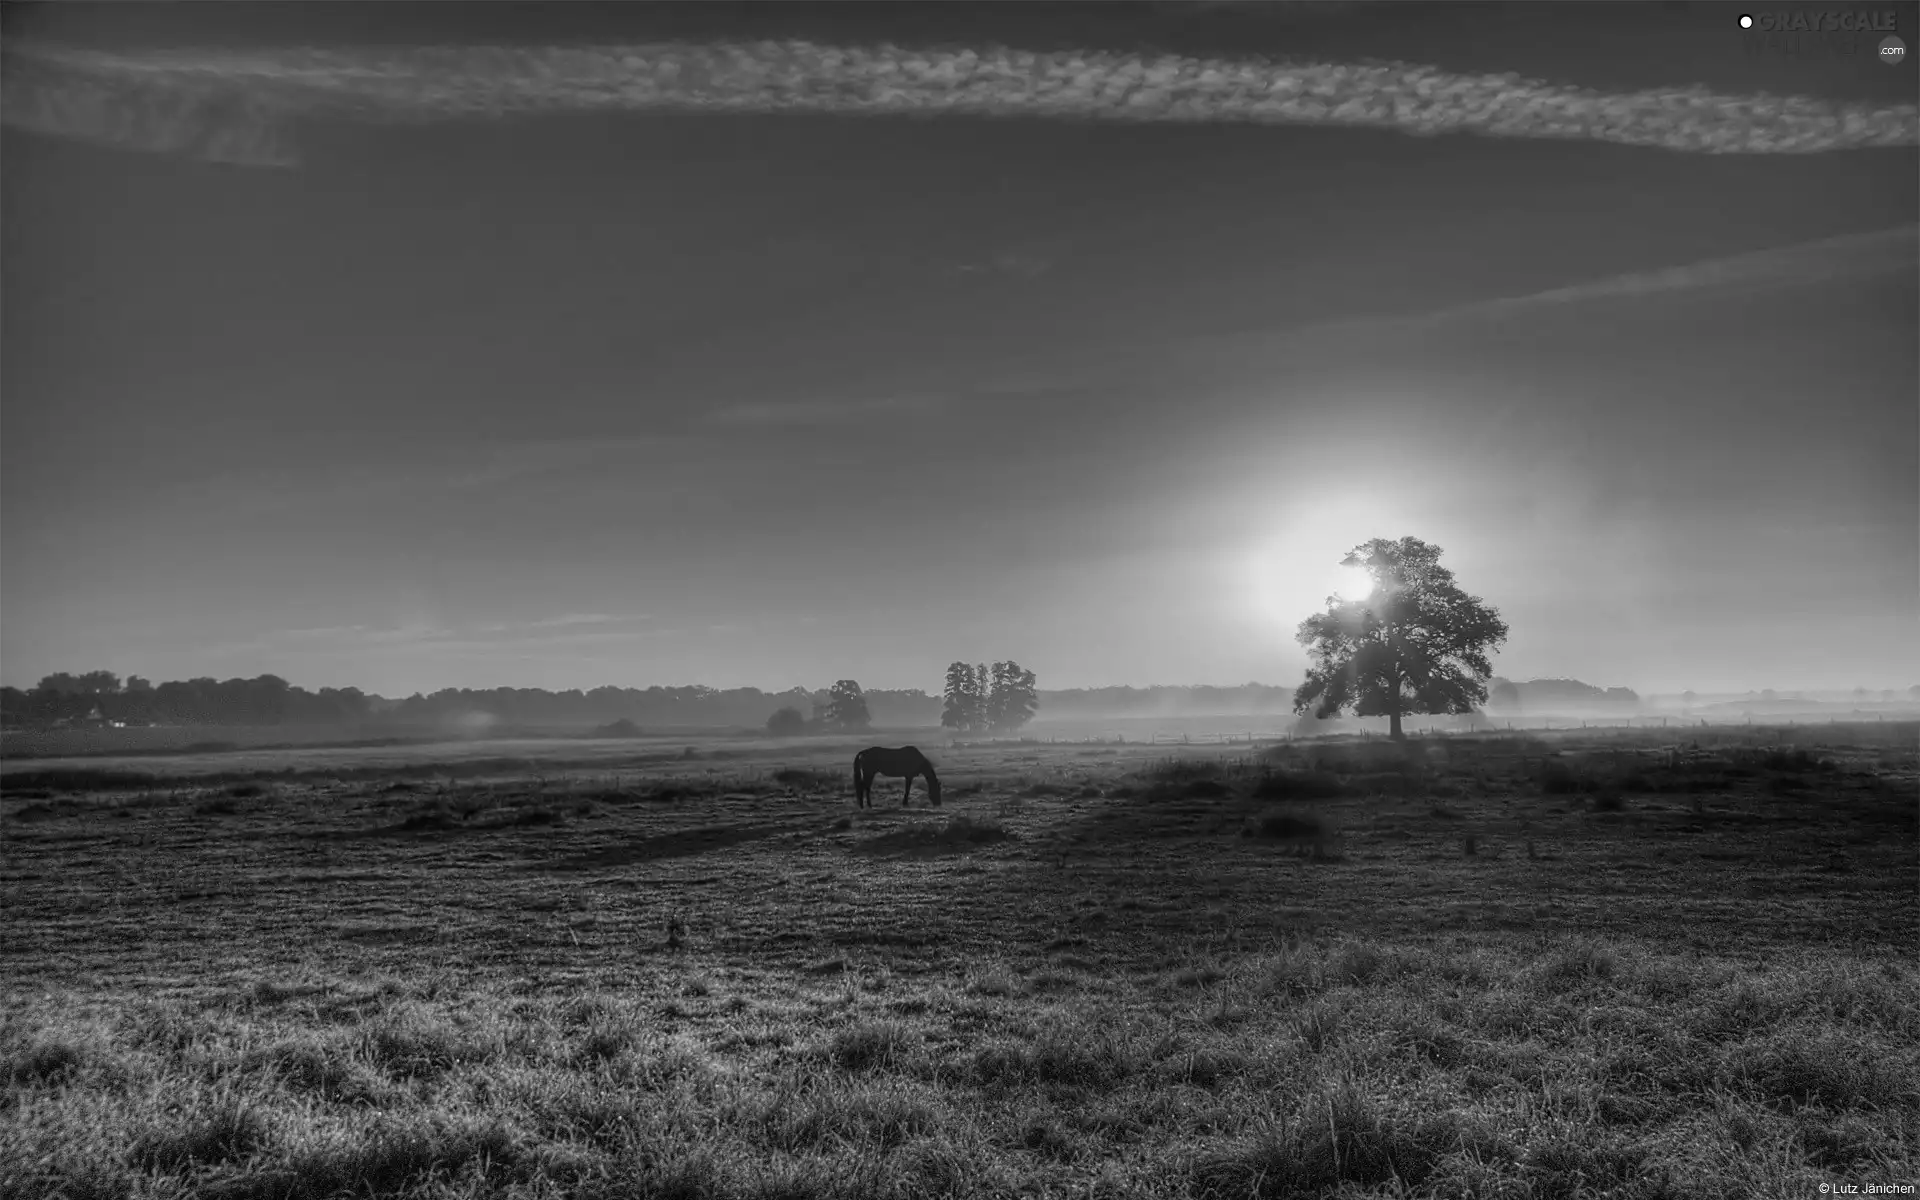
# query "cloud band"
(239, 105)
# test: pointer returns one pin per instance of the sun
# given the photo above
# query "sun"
(1352, 583)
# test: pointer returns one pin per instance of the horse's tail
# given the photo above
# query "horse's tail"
(856, 769)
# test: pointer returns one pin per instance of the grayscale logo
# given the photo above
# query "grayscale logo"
(1809, 34)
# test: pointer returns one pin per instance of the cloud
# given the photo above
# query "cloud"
(499, 463)
(217, 118)
(1842, 257)
(812, 413)
(242, 105)
(568, 619)
(1846, 256)
(1010, 262)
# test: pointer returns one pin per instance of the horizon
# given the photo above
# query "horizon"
(499, 376)
(1771, 693)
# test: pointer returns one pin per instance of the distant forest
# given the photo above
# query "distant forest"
(104, 699)
(100, 697)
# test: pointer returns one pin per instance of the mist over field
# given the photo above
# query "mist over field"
(815, 600)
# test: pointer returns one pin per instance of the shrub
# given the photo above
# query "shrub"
(1796, 760)
(76, 779)
(1299, 785)
(1557, 778)
(788, 722)
(807, 777)
(925, 836)
(1285, 825)
(1181, 770)
(1043, 788)
(1385, 783)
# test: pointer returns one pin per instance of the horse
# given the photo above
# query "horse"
(906, 762)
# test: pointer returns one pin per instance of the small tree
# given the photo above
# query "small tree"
(1415, 644)
(847, 706)
(788, 722)
(1012, 701)
(963, 710)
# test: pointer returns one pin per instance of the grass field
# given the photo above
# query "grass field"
(1559, 967)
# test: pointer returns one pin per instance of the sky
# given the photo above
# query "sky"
(411, 347)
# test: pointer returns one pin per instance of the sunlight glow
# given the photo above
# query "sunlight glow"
(1352, 583)
(1291, 563)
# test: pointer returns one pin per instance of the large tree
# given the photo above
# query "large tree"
(1415, 644)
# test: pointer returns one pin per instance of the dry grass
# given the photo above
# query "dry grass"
(1110, 975)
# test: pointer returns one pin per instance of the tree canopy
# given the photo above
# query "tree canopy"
(847, 706)
(979, 702)
(1416, 643)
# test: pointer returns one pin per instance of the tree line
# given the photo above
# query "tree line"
(968, 706)
(1004, 701)
(263, 700)
(271, 700)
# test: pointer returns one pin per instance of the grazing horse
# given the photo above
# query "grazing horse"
(906, 762)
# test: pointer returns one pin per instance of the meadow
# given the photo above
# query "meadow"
(1629, 963)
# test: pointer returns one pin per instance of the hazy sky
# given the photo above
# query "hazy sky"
(494, 346)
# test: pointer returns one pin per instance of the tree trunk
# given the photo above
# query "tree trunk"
(1396, 734)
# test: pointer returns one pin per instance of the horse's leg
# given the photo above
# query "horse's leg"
(909, 792)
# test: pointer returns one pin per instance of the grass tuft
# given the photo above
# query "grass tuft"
(228, 1131)
(45, 1062)
(869, 1045)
